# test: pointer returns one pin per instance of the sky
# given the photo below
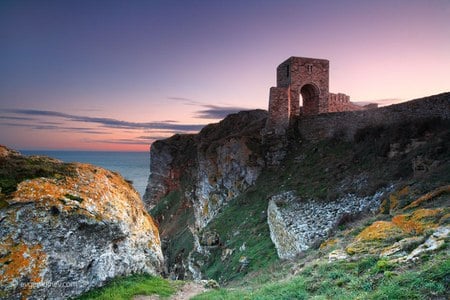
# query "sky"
(118, 75)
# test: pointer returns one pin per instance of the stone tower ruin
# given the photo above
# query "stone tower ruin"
(298, 78)
(302, 89)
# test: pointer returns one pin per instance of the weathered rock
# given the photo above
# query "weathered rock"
(221, 177)
(211, 284)
(200, 174)
(296, 225)
(64, 234)
(434, 242)
(401, 246)
(406, 228)
(337, 255)
(170, 159)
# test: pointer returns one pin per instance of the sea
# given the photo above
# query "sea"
(134, 166)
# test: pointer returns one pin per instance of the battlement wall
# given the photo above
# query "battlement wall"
(347, 123)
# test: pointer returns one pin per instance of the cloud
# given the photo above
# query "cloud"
(109, 122)
(387, 101)
(49, 126)
(186, 101)
(119, 141)
(16, 118)
(153, 137)
(209, 111)
(217, 112)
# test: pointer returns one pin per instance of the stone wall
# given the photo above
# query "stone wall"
(341, 102)
(347, 123)
(278, 109)
(296, 224)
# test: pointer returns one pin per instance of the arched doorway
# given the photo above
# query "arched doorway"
(309, 99)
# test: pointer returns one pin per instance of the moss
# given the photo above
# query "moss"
(15, 169)
(73, 197)
(328, 243)
(3, 203)
(205, 210)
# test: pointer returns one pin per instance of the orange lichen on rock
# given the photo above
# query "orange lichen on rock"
(20, 261)
(63, 223)
(374, 238)
(394, 197)
(379, 230)
(392, 202)
(328, 243)
(90, 193)
(431, 195)
(419, 220)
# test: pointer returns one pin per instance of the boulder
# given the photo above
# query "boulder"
(69, 230)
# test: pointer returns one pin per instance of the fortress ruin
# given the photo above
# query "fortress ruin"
(302, 89)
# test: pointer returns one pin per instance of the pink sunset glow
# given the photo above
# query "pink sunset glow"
(118, 75)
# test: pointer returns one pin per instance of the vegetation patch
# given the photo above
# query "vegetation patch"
(15, 168)
(243, 231)
(367, 278)
(125, 288)
(73, 197)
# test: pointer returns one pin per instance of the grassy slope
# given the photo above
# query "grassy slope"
(126, 288)
(367, 278)
(321, 171)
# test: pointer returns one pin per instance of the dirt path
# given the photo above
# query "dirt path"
(187, 291)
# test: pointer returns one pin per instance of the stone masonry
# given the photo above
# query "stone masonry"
(302, 90)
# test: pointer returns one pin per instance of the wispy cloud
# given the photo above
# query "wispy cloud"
(217, 112)
(44, 126)
(125, 141)
(16, 118)
(387, 101)
(109, 122)
(186, 101)
(208, 111)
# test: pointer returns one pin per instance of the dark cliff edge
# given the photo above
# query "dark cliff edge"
(231, 202)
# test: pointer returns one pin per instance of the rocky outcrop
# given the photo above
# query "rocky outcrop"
(232, 169)
(194, 176)
(66, 228)
(171, 161)
(217, 164)
(296, 225)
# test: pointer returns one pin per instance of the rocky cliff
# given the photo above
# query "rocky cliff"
(230, 201)
(66, 228)
(194, 176)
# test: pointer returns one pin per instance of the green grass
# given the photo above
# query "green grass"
(368, 278)
(125, 288)
(242, 222)
(15, 169)
(324, 170)
(313, 170)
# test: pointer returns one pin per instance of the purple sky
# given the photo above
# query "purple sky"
(115, 75)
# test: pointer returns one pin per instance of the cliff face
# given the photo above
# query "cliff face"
(193, 177)
(235, 198)
(66, 228)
